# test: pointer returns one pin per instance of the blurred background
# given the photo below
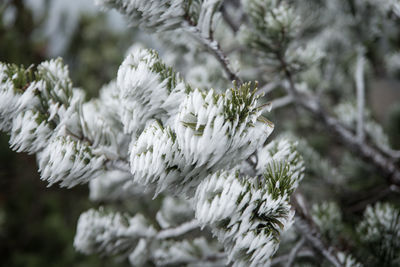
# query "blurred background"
(37, 223)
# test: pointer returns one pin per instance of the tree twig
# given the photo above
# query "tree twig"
(214, 48)
(179, 230)
(293, 253)
(120, 165)
(229, 21)
(269, 87)
(284, 258)
(281, 102)
(376, 156)
(307, 228)
(360, 88)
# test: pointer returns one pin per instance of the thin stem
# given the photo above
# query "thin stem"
(269, 87)
(179, 230)
(214, 48)
(293, 253)
(301, 253)
(376, 156)
(306, 227)
(360, 87)
(120, 165)
(281, 102)
(229, 21)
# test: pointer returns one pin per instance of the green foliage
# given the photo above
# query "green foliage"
(379, 231)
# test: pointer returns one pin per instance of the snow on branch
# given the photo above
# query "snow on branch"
(196, 17)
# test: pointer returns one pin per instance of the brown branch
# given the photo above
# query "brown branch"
(294, 252)
(307, 228)
(370, 153)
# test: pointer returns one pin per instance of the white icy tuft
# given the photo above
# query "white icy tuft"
(68, 162)
(110, 233)
(30, 133)
(248, 217)
(147, 89)
(159, 14)
(114, 185)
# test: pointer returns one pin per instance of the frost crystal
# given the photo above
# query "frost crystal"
(68, 162)
(281, 155)
(13, 82)
(155, 157)
(30, 132)
(246, 215)
(102, 232)
(174, 211)
(211, 127)
(159, 14)
(211, 131)
(147, 89)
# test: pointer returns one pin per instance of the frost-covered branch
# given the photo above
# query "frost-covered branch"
(201, 149)
(273, 25)
(293, 253)
(304, 224)
(303, 220)
(118, 165)
(213, 46)
(195, 17)
(281, 102)
(305, 252)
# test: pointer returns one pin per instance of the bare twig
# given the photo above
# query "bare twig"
(284, 258)
(370, 197)
(368, 152)
(269, 87)
(216, 259)
(281, 102)
(214, 48)
(179, 230)
(293, 253)
(229, 21)
(120, 165)
(395, 154)
(360, 87)
(376, 156)
(307, 228)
